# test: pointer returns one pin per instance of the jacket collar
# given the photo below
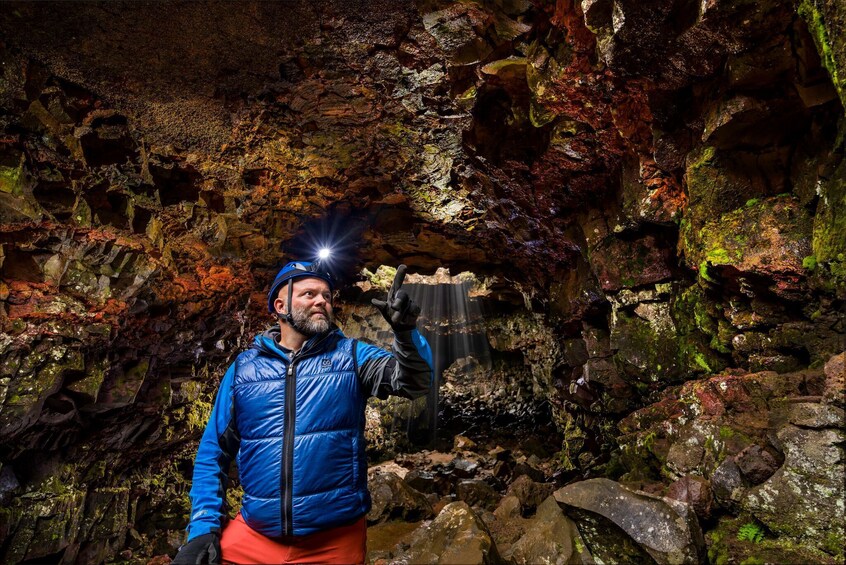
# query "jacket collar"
(268, 342)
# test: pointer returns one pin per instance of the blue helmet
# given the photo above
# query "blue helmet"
(294, 270)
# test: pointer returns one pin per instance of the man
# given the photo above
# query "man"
(291, 409)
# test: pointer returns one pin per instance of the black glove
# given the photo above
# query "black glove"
(399, 310)
(201, 549)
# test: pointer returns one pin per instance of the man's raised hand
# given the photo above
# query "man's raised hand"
(399, 309)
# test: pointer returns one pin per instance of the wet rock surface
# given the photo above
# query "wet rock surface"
(665, 529)
(650, 199)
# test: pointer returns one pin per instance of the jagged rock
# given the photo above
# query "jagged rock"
(462, 443)
(835, 380)
(455, 536)
(393, 498)
(665, 529)
(550, 149)
(727, 484)
(770, 236)
(509, 507)
(8, 484)
(694, 491)
(464, 468)
(816, 415)
(756, 464)
(529, 493)
(476, 492)
(551, 538)
(812, 470)
(422, 481)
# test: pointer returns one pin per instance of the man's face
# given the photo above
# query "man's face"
(311, 307)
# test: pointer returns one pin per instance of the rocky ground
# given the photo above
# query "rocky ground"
(721, 471)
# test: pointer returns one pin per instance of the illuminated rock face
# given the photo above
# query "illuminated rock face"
(650, 195)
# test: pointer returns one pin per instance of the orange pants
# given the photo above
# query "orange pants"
(239, 543)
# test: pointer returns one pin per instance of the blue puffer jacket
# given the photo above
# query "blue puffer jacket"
(296, 426)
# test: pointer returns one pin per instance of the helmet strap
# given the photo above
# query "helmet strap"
(288, 316)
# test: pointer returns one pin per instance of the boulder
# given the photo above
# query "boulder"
(393, 498)
(476, 492)
(550, 537)
(756, 464)
(695, 491)
(835, 380)
(456, 536)
(803, 500)
(661, 528)
(529, 493)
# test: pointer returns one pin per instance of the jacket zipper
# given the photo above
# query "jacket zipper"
(288, 437)
(288, 449)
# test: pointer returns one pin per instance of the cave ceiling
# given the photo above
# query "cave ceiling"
(410, 129)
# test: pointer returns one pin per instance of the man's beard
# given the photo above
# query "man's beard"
(308, 326)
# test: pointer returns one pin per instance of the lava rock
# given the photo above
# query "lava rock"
(422, 481)
(456, 535)
(727, 483)
(665, 529)
(756, 464)
(525, 469)
(464, 468)
(476, 492)
(393, 498)
(695, 491)
(509, 507)
(812, 471)
(529, 493)
(550, 538)
(835, 380)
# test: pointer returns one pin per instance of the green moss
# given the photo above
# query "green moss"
(815, 21)
(717, 551)
(703, 272)
(198, 414)
(726, 432)
(833, 544)
(810, 262)
(752, 201)
(12, 179)
(704, 159)
(718, 256)
(752, 560)
(718, 346)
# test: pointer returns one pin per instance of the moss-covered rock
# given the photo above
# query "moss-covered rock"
(769, 237)
(825, 20)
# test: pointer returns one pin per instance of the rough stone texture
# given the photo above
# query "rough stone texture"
(756, 464)
(529, 493)
(813, 470)
(456, 536)
(666, 529)
(551, 538)
(694, 491)
(393, 498)
(835, 380)
(476, 492)
(767, 444)
(650, 192)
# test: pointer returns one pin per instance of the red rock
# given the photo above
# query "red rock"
(693, 490)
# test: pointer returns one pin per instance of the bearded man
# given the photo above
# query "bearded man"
(290, 411)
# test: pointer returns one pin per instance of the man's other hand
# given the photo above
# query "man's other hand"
(399, 309)
(201, 549)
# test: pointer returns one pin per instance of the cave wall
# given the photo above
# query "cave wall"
(656, 193)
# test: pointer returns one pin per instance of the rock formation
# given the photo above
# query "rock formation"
(640, 210)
